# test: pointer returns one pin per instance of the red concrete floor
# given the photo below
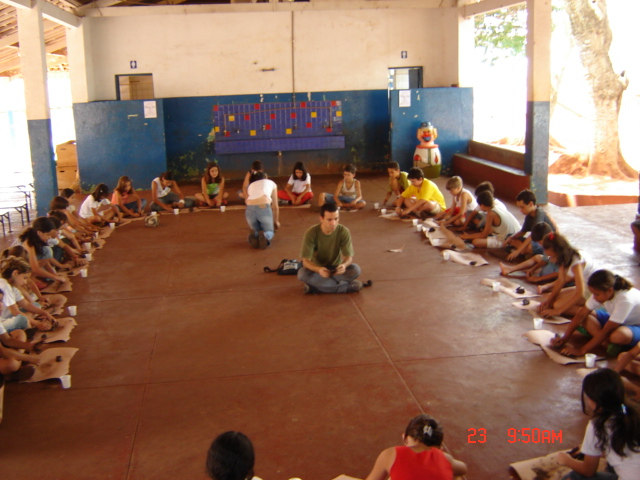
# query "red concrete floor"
(182, 336)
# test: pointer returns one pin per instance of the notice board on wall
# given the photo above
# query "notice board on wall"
(277, 126)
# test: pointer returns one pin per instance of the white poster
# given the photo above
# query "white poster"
(404, 98)
(150, 109)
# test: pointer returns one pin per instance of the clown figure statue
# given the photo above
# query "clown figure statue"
(427, 155)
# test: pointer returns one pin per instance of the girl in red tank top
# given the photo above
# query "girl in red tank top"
(420, 457)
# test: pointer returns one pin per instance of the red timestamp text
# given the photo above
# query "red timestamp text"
(517, 435)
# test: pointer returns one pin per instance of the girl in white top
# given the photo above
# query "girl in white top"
(262, 213)
(97, 208)
(617, 314)
(298, 189)
(572, 266)
(612, 432)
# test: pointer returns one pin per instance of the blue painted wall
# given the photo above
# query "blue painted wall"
(114, 138)
(45, 182)
(188, 122)
(450, 110)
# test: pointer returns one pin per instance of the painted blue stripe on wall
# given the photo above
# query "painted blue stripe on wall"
(42, 161)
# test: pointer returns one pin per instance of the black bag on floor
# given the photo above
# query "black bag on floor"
(286, 267)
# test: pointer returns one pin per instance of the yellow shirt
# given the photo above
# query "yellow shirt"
(428, 191)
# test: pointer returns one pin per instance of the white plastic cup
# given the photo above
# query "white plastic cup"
(590, 360)
(86, 245)
(495, 286)
(419, 228)
(414, 222)
(222, 208)
(376, 206)
(383, 211)
(112, 225)
(537, 323)
(446, 255)
(176, 211)
(154, 213)
(65, 380)
(88, 257)
(84, 273)
(73, 310)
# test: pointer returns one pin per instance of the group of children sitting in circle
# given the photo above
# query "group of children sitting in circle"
(604, 307)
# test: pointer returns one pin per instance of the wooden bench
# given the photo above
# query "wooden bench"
(504, 168)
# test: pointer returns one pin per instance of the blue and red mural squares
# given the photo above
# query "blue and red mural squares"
(277, 126)
(215, 108)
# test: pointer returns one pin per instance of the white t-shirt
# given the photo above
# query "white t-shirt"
(508, 223)
(160, 190)
(11, 296)
(261, 188)
(299, 186)
(587, 266)
(90, 203)
(626, 467)
(623, 308)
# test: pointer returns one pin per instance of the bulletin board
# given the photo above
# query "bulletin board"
(277, 126)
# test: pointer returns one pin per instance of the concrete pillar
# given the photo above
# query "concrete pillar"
(466, 33)
(538, 95)
(34, 71)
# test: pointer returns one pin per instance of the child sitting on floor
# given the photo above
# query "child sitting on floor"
(572, 266)
(499, 225)
(126, 199)
(97, 208)
(11, 356)
(613, 431)
(539, 268)
(462, 205)
(348, 193)
(422, 198)
(166, 194)
(212, 192)
(612, 313)
(298, 188)
(533, 214)
(420, 457)
(398, 182)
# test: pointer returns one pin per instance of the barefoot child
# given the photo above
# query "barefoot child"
(572, 266)
(398, 182)
(539, 268)
(612, 313)
(421, 456)
(212, 192)
(463, 204)
(298, 188)
(348, 193)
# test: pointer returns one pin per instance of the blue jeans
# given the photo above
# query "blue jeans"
(19, 322)
(260, 219)
(333, 284)
(133, 206)
(170, 198)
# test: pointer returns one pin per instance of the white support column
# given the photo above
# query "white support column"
(34, 71)
(80, 64)
(538, 95)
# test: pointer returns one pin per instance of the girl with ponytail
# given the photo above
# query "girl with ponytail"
(612, 432)
(420, 457)
(611, 313)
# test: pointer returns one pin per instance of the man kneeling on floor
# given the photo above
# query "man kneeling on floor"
(327, 256)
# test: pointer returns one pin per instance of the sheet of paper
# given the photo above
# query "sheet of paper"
(431, 223)
(546, 468)
(543, 338)
(404, 98)
(390, 216)
(467, 258)
(150, 109)
(50, 367)
(60, 334)
(532, 306)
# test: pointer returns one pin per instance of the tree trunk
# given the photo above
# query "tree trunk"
(590, 29)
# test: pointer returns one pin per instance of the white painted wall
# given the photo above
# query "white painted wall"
(201, 54)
